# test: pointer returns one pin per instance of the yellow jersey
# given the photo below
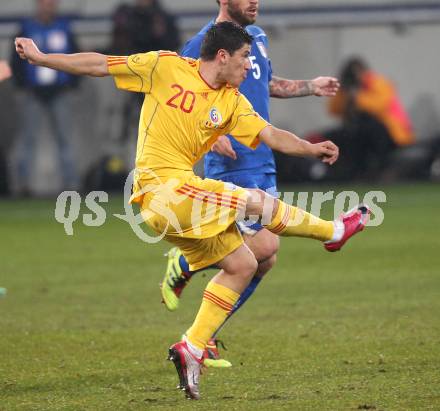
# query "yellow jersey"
(182, 116)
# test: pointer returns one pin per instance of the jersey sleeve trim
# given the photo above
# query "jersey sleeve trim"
(256, 140)
(152, 72)
(168, 54)
(116, 60)
(135, 72)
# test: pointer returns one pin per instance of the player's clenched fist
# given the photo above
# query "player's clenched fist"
(327, 151)
(27, 49)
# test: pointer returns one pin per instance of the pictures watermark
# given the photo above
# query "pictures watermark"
(176, 208)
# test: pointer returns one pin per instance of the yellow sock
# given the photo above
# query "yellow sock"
(292, 221)
(217, 303)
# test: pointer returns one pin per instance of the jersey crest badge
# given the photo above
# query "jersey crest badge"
(262, 49)
(215, 118)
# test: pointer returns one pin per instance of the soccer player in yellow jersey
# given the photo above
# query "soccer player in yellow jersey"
(188, 104)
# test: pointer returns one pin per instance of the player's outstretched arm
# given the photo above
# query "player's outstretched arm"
(320, 86)
(91, 64)
(288, 143)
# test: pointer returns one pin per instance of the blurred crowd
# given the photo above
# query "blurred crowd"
(46, 95)
(374, 134)
(372, 123)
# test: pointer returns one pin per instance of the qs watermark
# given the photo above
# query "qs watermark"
(168, 202)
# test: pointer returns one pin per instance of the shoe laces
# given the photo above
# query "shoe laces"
(218, 342)
(212, 348)
(178, 283)
(177, 280)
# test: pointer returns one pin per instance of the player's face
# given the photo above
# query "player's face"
(243, 12)
(47, 9)
(237, 66)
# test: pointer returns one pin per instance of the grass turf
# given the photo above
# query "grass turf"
(82, 327)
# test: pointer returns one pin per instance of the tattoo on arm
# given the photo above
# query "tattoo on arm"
(283, 88)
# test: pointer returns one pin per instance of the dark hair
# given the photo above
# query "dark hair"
(351, 72)
(225, 35)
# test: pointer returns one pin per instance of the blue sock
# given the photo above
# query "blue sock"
(185, 267)
(246, 294)
(241, 300)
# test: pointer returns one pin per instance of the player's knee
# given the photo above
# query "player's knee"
(247, 267)
(265, 250)
(265, 266)
(241, 262)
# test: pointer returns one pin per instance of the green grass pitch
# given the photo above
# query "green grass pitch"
(82, 327)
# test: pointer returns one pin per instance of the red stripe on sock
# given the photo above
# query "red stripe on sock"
(227, 309)
(284, 221)
(217, 300)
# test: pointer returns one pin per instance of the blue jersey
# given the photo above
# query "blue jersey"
(256, 89)
(55, 37)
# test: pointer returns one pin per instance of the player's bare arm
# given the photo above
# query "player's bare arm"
(288, 143)
(284, 88)
(5, 70)
(91, 64)
(320, 86)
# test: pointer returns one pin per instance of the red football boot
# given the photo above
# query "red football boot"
(188, 368)
(354, 221)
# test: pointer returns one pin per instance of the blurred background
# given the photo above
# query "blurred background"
(65, 133)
